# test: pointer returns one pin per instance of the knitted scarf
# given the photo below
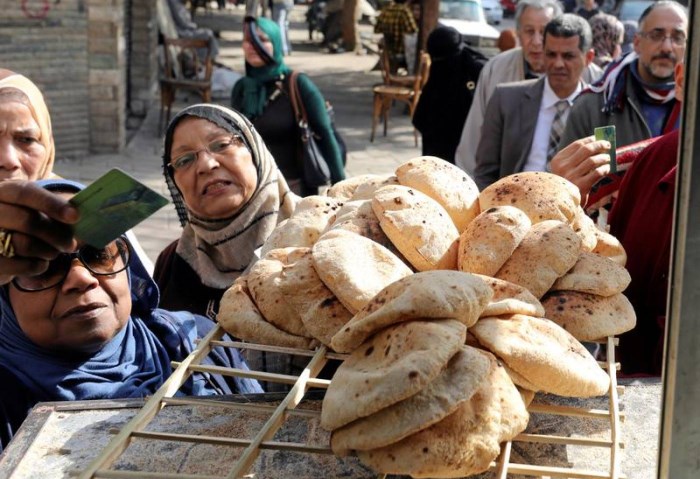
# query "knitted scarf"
(614, 80)
(258, 83)
(220, 250)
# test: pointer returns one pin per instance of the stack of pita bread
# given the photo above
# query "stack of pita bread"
(444, 298)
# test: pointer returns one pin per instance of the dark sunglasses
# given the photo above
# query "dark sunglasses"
(112, 259)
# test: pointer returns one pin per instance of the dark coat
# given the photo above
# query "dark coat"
(445, 101)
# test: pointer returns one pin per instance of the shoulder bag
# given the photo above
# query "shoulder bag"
(315, 168)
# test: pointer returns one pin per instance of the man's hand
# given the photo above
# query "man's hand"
(39, 224)
(583, 163)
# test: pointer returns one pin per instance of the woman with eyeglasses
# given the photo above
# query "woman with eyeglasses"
(88, 327)
(229, 195)
(262, 95)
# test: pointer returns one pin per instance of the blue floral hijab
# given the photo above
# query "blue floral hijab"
(135, 363)
(256, 87)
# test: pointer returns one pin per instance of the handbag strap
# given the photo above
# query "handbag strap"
(297, 103)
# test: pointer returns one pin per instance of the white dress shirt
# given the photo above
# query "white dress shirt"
(537, 159)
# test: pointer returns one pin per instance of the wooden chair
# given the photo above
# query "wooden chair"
(389, 77)
(386, 94)
(187, 65)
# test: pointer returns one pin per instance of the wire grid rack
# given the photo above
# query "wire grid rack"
(502, 468)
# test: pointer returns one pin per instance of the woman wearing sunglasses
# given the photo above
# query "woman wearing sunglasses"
(88, 328)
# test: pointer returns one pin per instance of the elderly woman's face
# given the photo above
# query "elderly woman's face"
(212, 168)
(21, 154)
(80, 314)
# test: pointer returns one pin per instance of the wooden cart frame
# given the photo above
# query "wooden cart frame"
(100, 466)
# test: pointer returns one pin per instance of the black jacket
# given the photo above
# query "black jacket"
(445, 101)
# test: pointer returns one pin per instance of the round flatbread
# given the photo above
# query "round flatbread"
(548, 251)
(464, 375)
(389, 367)
(431, 294)
(542, 196)
(544, 354)
(465, 442)
(510, 298)
(263, 283)
(239, 317)
(320, 311)
(366, 190)
(594, 274)
(610, 247)
(444, 182)
(418, 226)
(588, 316)
(311, 217)
(355, 268)
(344, 190)
(488, 241)
(359, 218)
(585, 228)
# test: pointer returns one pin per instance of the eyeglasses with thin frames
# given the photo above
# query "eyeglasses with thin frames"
(659, 36)
(112, 259)
(217, 147)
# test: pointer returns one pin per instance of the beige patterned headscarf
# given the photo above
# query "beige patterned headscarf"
(221, 250)
(10, 79)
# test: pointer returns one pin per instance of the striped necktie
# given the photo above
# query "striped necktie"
(557, 128)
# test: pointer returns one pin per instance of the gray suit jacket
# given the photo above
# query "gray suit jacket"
(508, 129)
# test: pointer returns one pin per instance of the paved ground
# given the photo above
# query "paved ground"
(345, 79)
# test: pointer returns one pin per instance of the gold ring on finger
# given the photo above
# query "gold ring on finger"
(6, 248)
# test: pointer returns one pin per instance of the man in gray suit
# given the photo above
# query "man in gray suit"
(524, 120)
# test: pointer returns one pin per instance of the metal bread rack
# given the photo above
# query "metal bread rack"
(502, 468)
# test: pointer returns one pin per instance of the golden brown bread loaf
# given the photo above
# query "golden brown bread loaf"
(589, 316)
(463, 443)
(548, 251)
(355, 268)
(542, 196)
(490, 239)
(463, 376)
(431, 294)
(544, 354)
(418, 226)
(320, 311)
(444, 182)
(239, 317)
(392, 365)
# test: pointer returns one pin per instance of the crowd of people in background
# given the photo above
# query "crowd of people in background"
(234, 174)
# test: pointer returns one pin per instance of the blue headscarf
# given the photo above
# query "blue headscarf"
(135, 363)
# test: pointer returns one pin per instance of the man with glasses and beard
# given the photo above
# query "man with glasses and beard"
(636, 94)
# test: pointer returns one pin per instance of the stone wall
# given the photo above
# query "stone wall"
(76, 51)
(47, 42)
(143, 73)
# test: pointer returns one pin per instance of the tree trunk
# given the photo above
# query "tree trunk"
(426, 23)
(349, 25)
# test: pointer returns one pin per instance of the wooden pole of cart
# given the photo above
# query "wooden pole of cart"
(680, 420)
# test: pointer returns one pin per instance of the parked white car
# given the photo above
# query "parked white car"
(493, 11)
(467, 17)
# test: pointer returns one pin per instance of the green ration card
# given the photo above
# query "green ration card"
(608, 133)
(111, 205)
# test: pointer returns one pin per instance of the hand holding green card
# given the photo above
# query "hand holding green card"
(111, 205)
(608, 133)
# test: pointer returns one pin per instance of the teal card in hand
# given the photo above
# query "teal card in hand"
(111, 205)
(608, 133)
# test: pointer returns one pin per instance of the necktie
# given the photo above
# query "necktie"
(557, 128)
